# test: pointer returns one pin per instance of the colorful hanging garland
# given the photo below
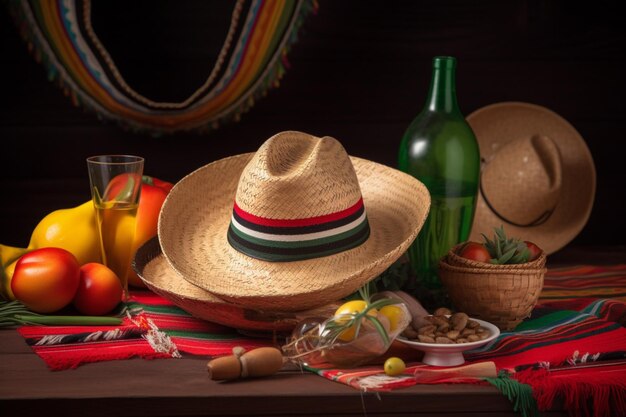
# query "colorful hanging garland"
(252, 60)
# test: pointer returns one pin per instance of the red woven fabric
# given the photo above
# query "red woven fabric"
(575, 323)
(188, 334)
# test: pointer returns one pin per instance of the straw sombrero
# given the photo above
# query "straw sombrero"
(538, 178)
(295, 225)
(151, 266)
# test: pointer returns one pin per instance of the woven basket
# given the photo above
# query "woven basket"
(500, 294)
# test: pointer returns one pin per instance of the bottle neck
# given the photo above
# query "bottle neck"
(442, 91)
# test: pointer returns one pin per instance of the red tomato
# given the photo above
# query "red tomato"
(535, 250)
(46, 279)
(475, 252)
(99, 291)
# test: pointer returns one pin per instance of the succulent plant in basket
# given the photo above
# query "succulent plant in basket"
(501, 250)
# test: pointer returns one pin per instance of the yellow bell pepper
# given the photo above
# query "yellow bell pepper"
(73, 229)
(8, 258)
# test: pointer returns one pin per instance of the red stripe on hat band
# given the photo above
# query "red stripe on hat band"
(298, 222)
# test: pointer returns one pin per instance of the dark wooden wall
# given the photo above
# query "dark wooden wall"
(359, 72)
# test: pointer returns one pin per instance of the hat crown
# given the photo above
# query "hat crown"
(522, 181)
(298, 198)
(294, 175)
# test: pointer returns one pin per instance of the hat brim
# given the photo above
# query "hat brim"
(195, 217)
(154, 271)
(496, 125)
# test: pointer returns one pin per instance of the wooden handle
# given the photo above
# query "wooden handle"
(258, 362)
(224, 368)
(475, 370)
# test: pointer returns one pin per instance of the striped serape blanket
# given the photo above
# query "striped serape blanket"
(579, 321)
(152, 328)
(572, 349)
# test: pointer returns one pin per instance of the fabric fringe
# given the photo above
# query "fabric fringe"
(599, 392)
(158, 340)
(382, 382)
(56, 362)
(520, 394)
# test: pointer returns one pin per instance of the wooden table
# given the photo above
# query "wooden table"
(181, 387)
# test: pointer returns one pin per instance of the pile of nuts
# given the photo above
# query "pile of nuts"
(444, 327)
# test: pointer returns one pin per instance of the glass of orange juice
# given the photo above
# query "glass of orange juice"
(115, 189)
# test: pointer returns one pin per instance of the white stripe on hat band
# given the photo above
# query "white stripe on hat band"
(303, 237)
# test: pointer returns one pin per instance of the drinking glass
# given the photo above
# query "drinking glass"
(115, 188)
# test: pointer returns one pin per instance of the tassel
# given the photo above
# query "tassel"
(158, 340)
(595, 391)
(521, 395)
(316, 6)
(382, 382)
(284, 60)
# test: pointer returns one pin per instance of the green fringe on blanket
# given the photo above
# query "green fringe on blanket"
(521, 395)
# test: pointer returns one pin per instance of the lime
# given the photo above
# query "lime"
(394, 366)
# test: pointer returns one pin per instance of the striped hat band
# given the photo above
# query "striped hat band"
(281, 240)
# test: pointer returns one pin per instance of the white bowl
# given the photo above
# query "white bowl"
(441, 354)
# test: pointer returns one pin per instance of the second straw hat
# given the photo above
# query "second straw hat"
(297, 224)
(538, 178)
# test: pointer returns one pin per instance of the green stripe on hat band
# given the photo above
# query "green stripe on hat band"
(295, 238)
(291, 247)
(286, 254)
(331, 238)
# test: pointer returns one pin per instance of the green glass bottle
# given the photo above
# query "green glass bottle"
(439, 148)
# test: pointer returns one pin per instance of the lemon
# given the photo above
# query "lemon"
(343, 314)
(395, 315)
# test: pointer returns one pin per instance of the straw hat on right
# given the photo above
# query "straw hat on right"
(538, 178)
